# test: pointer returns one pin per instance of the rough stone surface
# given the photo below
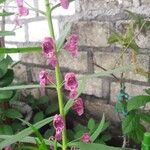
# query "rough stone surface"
(78, 63)
(97, 108)
(93, 33)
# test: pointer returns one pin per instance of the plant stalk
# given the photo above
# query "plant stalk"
(57, 75)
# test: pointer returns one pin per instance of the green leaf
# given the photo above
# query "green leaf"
(22, 134)
(61, 40)
(20, 87)
(115, 37)
(145, 117)
(91, 124)
(2, 56)
(20, 50)
(6, 129)
(130, 123)
(68, 105)
(49, 133)
(93, 146)
(147, 91)
(138, 134)
(3, 67)
(7, 78)
(28, 139)
(6, 33)
(137, 101)
(98, 130)
(12, 113)
(38, 117)
(6, 13)
(2, 1)
(40, 140)
(51, 109)
(6, 95)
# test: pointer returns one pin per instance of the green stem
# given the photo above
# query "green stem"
(57, 75)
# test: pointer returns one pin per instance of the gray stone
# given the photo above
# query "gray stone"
(98, 107)
(93, 33)
(36, 58)
(20, 73)
(78, 63)
(108, 61)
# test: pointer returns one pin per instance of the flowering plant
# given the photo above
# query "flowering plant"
(51, 49)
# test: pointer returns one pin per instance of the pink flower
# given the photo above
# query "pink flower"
(48, 45)
(71, 82)
(44, 78)
(86, 138)
(78, 106)
(8, 148)
(52, 60)
(58, 122)
(23, 11)
(64, 4)
(73, 94)
(58, 134)
(72, 45)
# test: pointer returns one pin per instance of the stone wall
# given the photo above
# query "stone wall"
(93, 21)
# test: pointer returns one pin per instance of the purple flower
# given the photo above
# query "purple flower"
(71, 82)
(44, 78)
(64, 4)
(48, 45)
(58, 124)
(72, 45)
(52, 59)
(78, 106)
(23, 11)
(86, 138)
(73, 94)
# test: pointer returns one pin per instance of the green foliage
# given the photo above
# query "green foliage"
(6, 13)
(132, 124)
(38, 116)
(61, 40)
(6, 129)
(94, 146)
(24, 133)
(137, 101)
(2, 1)
(12, 113)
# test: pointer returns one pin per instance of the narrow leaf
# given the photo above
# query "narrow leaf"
(19, 136)
(98, 130)
(6, 13)
(137, 101)
(61, 40)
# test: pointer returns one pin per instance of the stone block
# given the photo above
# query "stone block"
(131, 89)
(92, 33)
(98, 107)
(93, 86)
(108, 61)
(78, 63)
(20, 73)
(35, 58)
